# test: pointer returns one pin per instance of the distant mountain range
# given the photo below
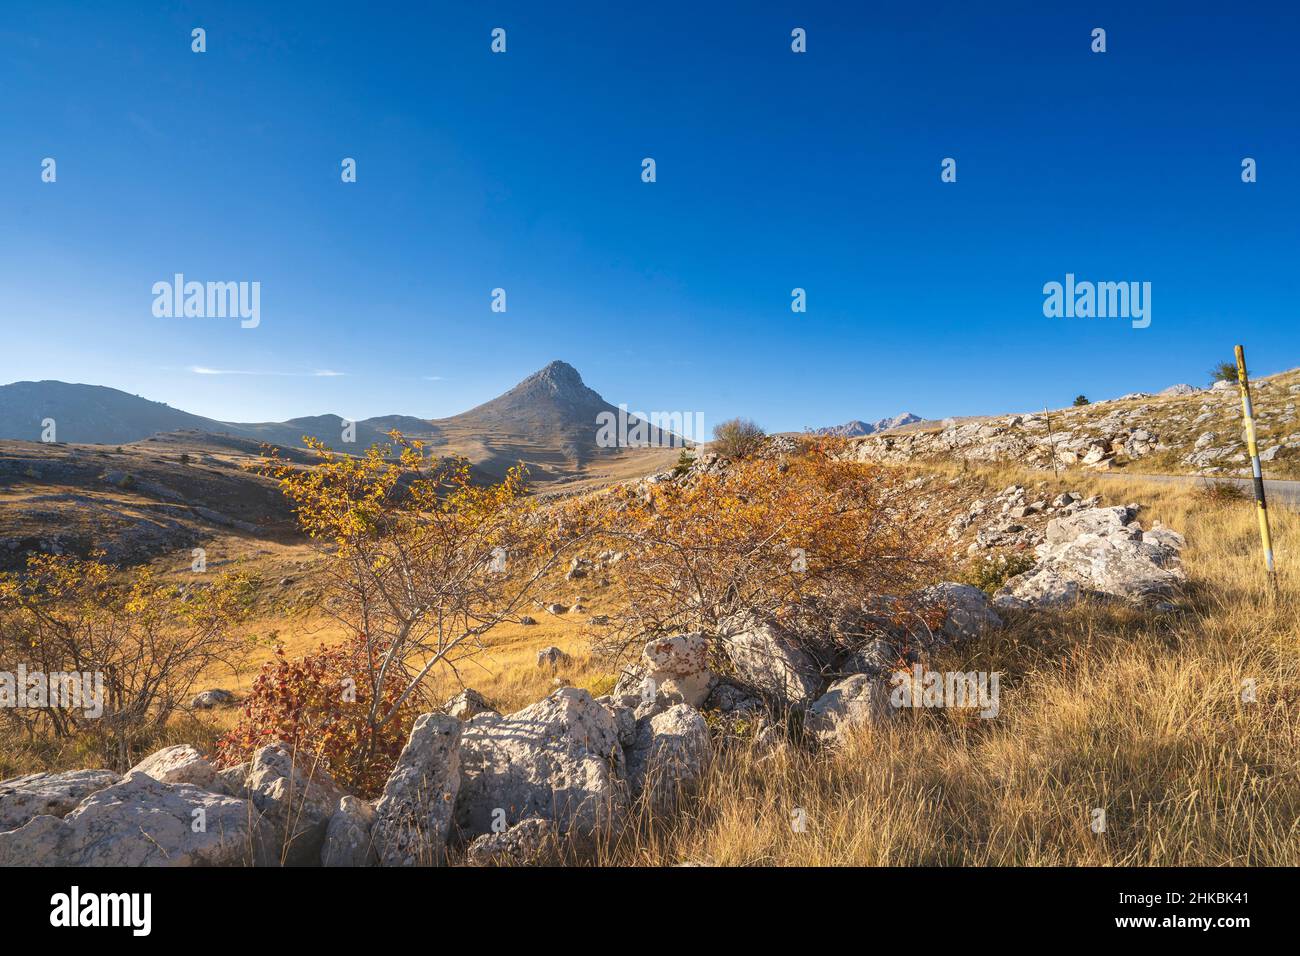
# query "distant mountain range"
(857, 428)
(549, 420)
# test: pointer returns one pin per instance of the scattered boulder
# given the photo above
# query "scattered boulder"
(874, 658)
(622, 707)
(235, 779)
(559, 759)
(468, 703)
(52, 794)
(967, 610)
(727, 698)
(766, 659)
(296, 797)
(1100, 551)
(526, 620)
(413, 816)
(670, 754)
(181, 764)
(216, 697)
(1101, 521)
(852, 702)
(141, 821)
(348, 840)
(552, 657)
(527, 843)
(1043, 588)
(679, 665)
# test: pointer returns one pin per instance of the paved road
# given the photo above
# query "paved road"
(1276, 492)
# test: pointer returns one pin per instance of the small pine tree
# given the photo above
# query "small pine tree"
(1081, 400)
(1224, 372)
(684, 462)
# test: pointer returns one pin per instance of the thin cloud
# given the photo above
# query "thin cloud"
(318, 373)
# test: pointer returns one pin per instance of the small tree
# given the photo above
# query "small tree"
(684, 462)
(133, 633)
(1080, 400)
(784, 539)
(1224, 372)
(737, 438)
(423, 564)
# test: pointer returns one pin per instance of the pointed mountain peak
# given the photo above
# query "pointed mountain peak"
(559, 376)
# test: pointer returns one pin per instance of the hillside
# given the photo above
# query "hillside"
(1180, 432)
(549, 421)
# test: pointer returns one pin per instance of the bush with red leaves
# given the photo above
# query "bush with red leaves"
(323, 706)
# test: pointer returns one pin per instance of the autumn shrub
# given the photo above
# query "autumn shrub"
(737, 438)
(1218, 492)
(319, 705)
(141, 638)
(806, 539)
(421, 563)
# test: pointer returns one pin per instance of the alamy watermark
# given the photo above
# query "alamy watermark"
(70, 690)
(972, 690)
(653, 430)
(1100, 300)
(208, 300)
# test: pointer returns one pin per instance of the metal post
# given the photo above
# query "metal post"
(1261, 506)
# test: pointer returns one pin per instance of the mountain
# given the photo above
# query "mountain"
(90, 414)
(550, 421)
(856, 428)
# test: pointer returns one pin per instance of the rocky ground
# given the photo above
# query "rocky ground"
(481, 787)
(1183, 430)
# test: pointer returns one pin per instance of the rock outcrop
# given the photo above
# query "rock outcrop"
(181, 764)
(669, 755)
(559, 759)
(855, 701)
(348, 838)
(679, 665)
(296, 798)
(413, 817)
(766, 659)
(527, 843)
(467, 704)
(144, 822)
(966, 611)
(52, 794)
(1103, 552)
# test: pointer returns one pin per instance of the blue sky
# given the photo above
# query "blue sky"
(522, 171)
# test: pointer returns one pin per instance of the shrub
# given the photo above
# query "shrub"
(793, 539)
(990, 573)
(737, 438)
(321, 705)
(130, 631)
(1223, 372)
(1221, 491)
(423, 564)
(684, 462)
(1080, 400)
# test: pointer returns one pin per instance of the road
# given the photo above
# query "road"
(1276, 492)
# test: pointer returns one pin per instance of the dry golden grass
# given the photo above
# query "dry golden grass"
(1140, 715)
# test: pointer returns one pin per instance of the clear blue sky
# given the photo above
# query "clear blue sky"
(522, 170)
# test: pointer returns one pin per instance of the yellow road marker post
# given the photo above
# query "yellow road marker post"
(1261, 506)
